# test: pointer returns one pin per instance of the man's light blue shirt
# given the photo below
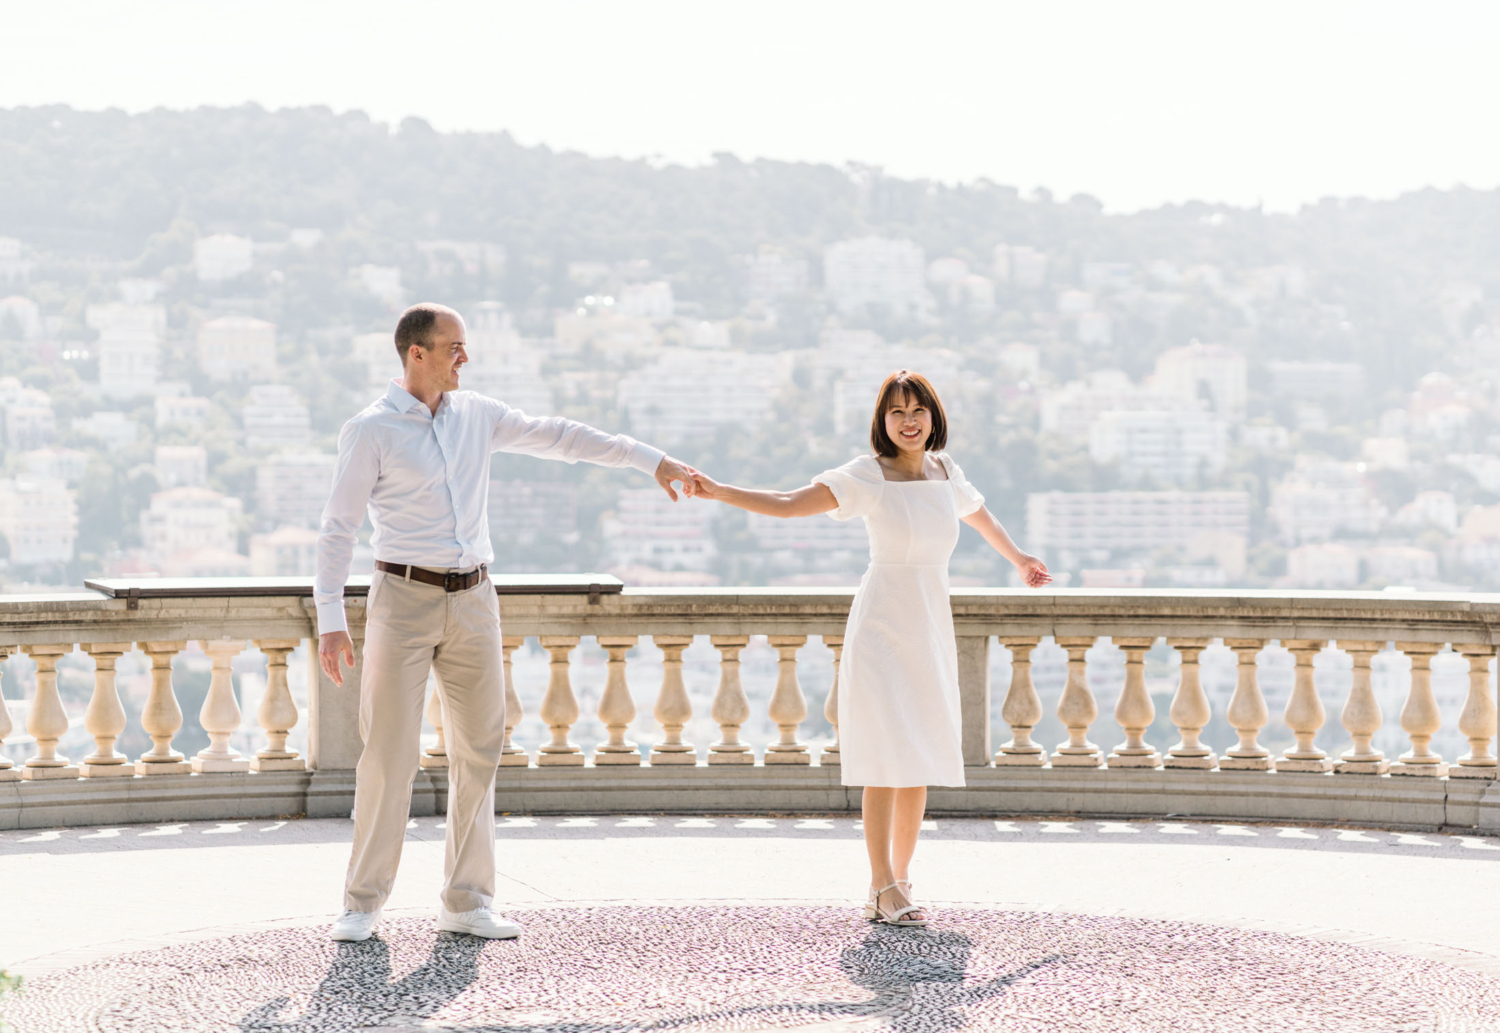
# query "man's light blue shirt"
(425, 478)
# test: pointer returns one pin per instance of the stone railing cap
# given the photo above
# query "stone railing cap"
(221, 587)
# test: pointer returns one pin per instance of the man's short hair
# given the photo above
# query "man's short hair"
(416, 324)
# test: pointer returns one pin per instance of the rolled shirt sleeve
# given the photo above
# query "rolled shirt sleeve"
(554, 437)
(354, 477)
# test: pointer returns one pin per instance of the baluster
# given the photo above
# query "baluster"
(1022, 709)
(731, 707)
(47, 721)
(1077, 709)
(512, 755)
(1420, 717)
(220, 714)
(559, 705)
(616, 708)
(1477, 722)
(673, 708)
(436, 755)
(1134, 710)
(161, 717)
(1190, 711)
(277, 713)
(830, 756)
(1361, 716)
(1247, 713)
(8, 772)
(788, 707)
(1304, 713)
(105, 717)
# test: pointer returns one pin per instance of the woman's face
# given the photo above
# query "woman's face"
(908, 423)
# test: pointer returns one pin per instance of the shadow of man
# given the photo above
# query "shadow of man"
(357, 992)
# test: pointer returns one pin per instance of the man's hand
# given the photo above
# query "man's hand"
(669, 470)
(332, 647)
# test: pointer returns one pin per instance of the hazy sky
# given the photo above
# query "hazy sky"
(1137, 102)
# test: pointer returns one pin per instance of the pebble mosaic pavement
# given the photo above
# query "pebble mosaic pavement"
(621, 969)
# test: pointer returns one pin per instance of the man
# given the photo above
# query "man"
(419, 460)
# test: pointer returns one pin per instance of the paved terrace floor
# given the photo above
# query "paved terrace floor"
(749, 923)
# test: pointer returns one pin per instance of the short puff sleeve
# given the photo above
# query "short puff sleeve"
(966, 497)
(856, 486)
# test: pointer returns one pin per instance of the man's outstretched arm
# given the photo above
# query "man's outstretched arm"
(554, 437)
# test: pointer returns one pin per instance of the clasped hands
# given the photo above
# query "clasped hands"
(695, 483)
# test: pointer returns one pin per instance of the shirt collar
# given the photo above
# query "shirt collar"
(404, 400)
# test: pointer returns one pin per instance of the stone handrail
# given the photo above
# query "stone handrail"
(1133, 776)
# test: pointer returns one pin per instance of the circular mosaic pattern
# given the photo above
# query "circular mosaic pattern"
(627, 969)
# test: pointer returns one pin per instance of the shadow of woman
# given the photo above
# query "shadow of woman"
(918, 977)
(357, 991)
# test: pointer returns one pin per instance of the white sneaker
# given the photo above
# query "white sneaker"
(479, 922)
(354, 926)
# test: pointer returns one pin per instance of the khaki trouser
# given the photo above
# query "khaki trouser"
(413, 628)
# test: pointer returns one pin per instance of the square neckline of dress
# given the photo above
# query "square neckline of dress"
(919, 480)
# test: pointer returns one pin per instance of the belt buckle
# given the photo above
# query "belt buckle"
(452, 582)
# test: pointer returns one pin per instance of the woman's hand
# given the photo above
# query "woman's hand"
(1033, 571)
(704, 486)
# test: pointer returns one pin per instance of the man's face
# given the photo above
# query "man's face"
(447, 355)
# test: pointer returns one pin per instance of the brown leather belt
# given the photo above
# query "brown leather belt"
(447, 582)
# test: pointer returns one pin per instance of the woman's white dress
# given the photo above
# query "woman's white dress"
(899, 719)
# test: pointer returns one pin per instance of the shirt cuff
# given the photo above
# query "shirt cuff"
(331, 617)
(646, 459)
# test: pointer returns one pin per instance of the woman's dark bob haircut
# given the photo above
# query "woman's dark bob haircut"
(898, 386)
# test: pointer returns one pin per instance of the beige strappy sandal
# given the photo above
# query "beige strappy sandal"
(875, 913)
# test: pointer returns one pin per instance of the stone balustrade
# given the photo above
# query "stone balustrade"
(1098, 767)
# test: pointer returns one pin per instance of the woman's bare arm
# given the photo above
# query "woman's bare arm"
(1033, 570)
(808, 501)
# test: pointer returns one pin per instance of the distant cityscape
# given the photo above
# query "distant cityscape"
(176, 414)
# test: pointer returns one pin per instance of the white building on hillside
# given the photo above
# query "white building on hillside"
(293, 487)
(24, 315)
(1071, 410)
(39, 519)
(1322, 565)
(877, 271)
(1167, 447)
(284, 552)
(56, 464)
(129, 346)
(650, 530)
(181, 521)
(523, 511)
(222, 256)
(275, 417)
(1082, 524)
(770, 275)
(116, 430)
(1212, 370)
(502, 364)
(233, 347)
(380, 281)
(30, 422)
(382, 363)
(181, 466)
(688, 394)
(181, 411)
(1323, 499)
(651, 301)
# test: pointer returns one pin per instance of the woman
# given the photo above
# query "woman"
(898, 685)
